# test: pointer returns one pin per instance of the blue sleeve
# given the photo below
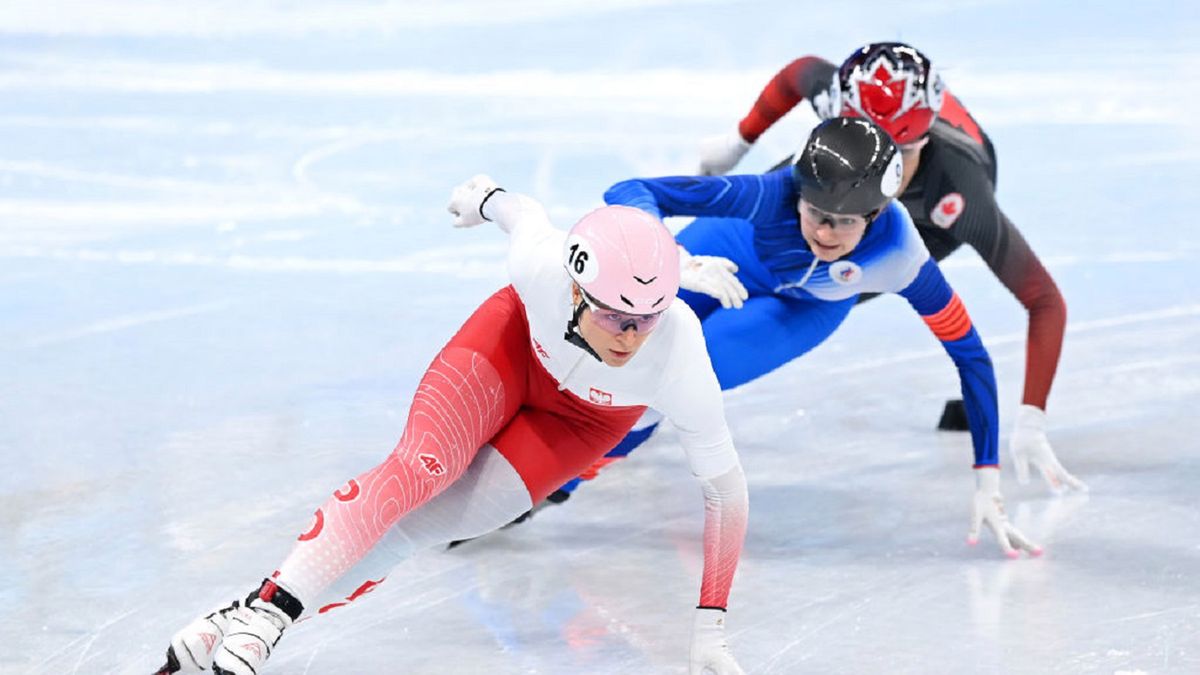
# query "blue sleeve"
(945, 315)
(749, 197)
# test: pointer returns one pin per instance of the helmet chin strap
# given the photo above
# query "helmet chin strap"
(870, 218)
(574, 336)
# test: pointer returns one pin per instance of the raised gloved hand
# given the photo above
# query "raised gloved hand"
(719, 154)
(988, 509)
(467, 200)
(1029, 445)
(710, 652)
(712, 275)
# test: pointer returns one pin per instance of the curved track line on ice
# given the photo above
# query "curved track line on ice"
(91, 639)
(475, 261)
(123, 322)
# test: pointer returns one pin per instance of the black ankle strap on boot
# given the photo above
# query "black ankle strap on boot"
(272, 593)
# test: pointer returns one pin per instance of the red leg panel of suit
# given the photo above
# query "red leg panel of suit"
(485, 386)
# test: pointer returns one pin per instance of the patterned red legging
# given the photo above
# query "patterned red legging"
(485, 387)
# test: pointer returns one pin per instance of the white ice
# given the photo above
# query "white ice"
(224, 263)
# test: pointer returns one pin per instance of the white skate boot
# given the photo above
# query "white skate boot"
(192, 648)
(236, 639)
(253, 631)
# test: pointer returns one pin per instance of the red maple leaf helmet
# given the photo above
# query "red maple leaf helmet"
(893, 85)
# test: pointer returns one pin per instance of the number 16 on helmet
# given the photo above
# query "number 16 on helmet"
(623, 258)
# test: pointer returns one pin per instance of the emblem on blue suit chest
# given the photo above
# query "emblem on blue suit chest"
(845, 272)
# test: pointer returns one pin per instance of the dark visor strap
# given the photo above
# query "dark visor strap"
(572, 335)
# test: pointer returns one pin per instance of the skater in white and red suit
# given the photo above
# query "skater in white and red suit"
(543, 379)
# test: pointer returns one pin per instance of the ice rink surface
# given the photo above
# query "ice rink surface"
(225, 261)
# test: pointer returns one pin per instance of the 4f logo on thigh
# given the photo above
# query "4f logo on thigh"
(433, 465)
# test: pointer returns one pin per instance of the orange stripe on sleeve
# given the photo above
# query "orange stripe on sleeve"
(951, 322)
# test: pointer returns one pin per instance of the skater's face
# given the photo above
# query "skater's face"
(830, 235)
(615, 341)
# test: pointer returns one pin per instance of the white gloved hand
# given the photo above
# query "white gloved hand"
(988, 509)
(719, 154)
(467, 200)
(710, 652)
(712, 275)
(1028, 444)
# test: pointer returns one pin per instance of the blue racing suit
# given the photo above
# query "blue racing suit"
(796, 300)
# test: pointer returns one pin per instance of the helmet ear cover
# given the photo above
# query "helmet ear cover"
(935, 90)
(835, 96)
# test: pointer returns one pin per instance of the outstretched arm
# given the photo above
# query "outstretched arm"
(533, 240)
(726, 505)
(944, 313)
(694, 405)
(808, 76)
(480, 200)
(714, 462)
(692, 400)
(1018, 268)
(982, 225)
(725, 508)
(746, 197)
(946, 316)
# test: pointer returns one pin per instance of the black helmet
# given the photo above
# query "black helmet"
(848, 166)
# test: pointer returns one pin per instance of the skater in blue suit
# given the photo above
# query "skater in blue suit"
(777, 261)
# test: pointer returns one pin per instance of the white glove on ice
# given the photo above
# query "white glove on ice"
(712, 275)
(1028, 444)
(719, 154)
(467, 200)
(710, 653)
(988, 509)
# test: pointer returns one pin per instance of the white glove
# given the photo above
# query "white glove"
(467, 200)
(1028, 443)
(712, 275)
(988, 509)
(719, 154)
(710, 653)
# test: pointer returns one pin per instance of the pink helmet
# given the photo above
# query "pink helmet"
(624, 258)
